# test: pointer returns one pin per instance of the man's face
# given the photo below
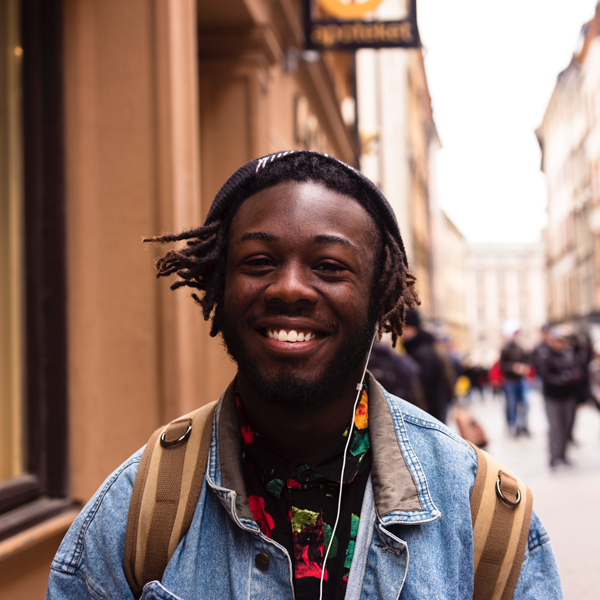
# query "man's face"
(300, 266)
(410, 331)
(557, 344)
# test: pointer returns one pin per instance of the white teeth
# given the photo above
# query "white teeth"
(293, 336)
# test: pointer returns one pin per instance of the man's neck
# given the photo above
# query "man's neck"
(302, 435)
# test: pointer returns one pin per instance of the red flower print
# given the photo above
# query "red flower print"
(247, 434)
(264, 519)
(307, 532)
(245, 427)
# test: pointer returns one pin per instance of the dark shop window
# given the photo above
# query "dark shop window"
(33, 377)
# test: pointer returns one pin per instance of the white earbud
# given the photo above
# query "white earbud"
(359, 387)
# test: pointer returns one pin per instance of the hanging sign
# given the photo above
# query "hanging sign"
(343, 25)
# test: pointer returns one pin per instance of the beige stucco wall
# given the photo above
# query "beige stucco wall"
(157, 117)
(132, 139)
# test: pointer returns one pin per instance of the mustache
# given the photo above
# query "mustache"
(302, 312)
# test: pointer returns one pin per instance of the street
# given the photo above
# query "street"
(567, 501)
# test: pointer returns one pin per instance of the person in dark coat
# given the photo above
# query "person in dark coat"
(540, 351)
(397, 373)
(435, 376)
(560, 375)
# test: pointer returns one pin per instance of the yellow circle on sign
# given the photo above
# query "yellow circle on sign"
(354, 10)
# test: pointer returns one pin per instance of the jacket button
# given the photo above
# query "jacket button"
(262, 561)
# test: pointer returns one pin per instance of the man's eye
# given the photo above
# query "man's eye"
(329, 267)
(258, 262)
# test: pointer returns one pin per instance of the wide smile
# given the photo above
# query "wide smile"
(294, 336)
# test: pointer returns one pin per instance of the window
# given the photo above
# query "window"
(11, 255)
(502, 310)
(33, 389)
(480, 310)
(523, 311)
(501, 279)
(479, 279)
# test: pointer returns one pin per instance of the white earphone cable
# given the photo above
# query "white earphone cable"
(359, 388)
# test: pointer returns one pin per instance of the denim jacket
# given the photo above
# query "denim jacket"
(415, 537)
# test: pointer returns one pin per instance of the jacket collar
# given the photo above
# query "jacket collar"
(400, 490)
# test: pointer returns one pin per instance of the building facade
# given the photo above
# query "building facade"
(569, 137)
(450, 282)
(120, 120)
(399, 145)
(504, 282)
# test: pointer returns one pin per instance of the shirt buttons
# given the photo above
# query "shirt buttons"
(262, 561)
(309, 537)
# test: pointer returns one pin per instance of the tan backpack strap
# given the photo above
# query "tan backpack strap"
(165, 494)
(501, 507)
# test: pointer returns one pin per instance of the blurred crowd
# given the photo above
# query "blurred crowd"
(428, 372)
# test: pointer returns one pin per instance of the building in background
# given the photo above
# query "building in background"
(569, 137)
(504, 281)
(120, 120)
(450, 282)
(399, 145)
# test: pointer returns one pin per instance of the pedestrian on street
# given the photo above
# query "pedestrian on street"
(497, 380)
(397, 373)
(538, 353)
(594, 375)
(514, 366)
(560, 375)
(314, 482)
(436, 374)
(582, 347)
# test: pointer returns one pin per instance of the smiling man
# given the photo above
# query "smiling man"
(317, 483)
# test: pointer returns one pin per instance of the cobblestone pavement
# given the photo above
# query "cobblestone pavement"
(568, 501)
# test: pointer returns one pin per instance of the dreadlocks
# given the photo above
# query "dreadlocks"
(201, 263)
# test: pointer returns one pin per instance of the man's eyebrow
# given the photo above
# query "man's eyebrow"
(334, 239)
(258, 235)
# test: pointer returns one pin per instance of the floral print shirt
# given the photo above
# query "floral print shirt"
(296, 504)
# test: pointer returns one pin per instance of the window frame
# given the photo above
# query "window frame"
(43, 491)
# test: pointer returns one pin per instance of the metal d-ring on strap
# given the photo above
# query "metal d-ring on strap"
(506, 500)
(168, 443)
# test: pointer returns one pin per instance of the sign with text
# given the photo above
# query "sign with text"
(344, 25)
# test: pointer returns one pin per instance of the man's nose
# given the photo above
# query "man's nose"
(291, 285)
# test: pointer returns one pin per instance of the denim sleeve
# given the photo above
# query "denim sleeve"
(89, 561)
(539, 576)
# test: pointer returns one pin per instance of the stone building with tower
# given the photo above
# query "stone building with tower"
(504, 282)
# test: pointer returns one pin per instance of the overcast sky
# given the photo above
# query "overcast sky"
(491, 68)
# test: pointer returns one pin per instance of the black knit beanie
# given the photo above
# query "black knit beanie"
(239, 187)
(412, 318)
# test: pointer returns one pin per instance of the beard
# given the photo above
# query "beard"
(287, 385)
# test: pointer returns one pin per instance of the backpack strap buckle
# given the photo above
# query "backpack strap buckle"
(504, 498)
(166, 441)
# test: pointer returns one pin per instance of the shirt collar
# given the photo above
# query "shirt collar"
(400, 487)
(276, 470)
